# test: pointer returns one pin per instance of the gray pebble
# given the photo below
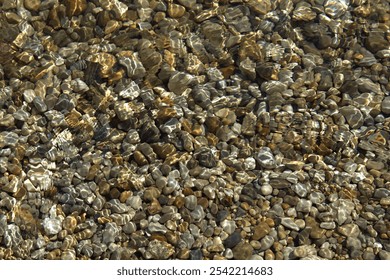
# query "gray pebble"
(266, 242)
(304, 205)
(265, 158)
(289, 223)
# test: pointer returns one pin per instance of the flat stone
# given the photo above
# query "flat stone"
(328, 225)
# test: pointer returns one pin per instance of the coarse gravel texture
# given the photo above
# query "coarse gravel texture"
(194, 129)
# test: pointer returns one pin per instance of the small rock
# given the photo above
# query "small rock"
(232, 240)
(52, 226)
(266, 158)
(353, 116)
(261, 230)
(304, 251)
(39, 104)
(386, 105)
(242, 251)
(191, 202)
(266, 242)
(266, 189)
(159, 250)
(228, 226)
(304, 206)
(384, 255)
(349, 230)
(196, 254)
(289, 223)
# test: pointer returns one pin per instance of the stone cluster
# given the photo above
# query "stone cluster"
(194, 129)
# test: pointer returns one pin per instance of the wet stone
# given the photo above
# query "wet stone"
(304, 205)
(336, 8)
(179, 82)
(194, 129)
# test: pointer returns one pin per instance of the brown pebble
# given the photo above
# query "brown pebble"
(242, 251)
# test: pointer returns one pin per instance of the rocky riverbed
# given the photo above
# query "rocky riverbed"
(194, 129)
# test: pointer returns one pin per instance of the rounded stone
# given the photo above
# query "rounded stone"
(385, 107)
(232, 240)
(266, 189)
(260, 231)
(242, 251)
(52, 225)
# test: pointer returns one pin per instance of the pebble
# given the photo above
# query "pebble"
(384, 255)
(353, 116)
(260, 231)
(385, 106)
(289, 223)
(304, 251)
(349, 230)
(266, 242)
(242, 251)
(52, 225)
(300, 189)
(304, 206)
(196, 254)
(191, 202)
(326, 253)
(228, 226)
(266, 189)
(159, 250)
(232, 240)
(266, 158)
(194, 130)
